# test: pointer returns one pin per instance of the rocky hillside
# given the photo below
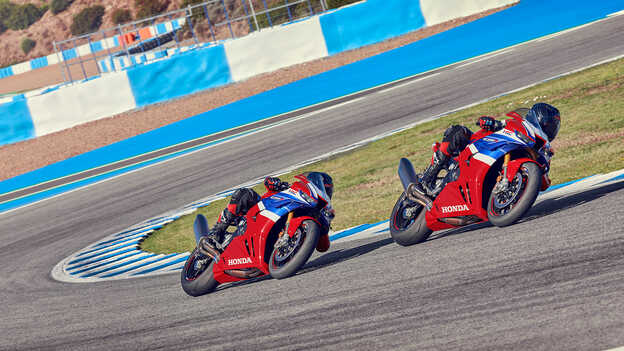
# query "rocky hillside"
(53, 27)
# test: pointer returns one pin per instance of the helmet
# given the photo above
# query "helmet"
(548, 118)
(321, 179)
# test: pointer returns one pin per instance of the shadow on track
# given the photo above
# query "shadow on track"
(544, 208)
(541, 209)
(325, 260)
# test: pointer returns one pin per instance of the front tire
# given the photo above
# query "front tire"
(197, 277)
(408, 229)
(284, 264)
(506, 207)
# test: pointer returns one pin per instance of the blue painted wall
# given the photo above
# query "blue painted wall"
(180, 75)
(369, 22)
(16, 123)
(509, 27)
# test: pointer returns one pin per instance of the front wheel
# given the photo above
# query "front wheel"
(197, 277)
(505, 207)
(287, 259)
(408, 225)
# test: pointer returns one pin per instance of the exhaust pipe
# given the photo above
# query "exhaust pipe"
(408, 177)
(407, 174)
(200, 227)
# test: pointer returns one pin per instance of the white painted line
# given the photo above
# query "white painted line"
(315, 112)
(619, 13)
(554, 35)
(337, 105)
(406, 84)
(484, 58)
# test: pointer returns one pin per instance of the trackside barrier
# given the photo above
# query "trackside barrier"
(161, 81)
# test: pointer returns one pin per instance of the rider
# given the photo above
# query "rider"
(244, 199)
(457, 137)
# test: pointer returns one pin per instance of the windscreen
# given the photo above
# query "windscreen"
(317, 179)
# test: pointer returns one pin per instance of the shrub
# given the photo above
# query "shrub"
(87, 20)
(6, 9)
(57, 6)
(332, 4)
(121, 16)
(27, 45)
(149, 8)
(2, 27)
(23, 16)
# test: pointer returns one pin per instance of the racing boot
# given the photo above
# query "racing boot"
(218, 231)
(426, 186)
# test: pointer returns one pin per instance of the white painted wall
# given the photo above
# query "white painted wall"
(438, 11)
(80, 103)
(272, 49)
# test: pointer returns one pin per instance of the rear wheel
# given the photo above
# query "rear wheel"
(407, 222)
(507, 206)
(197, 277)
(287, 259)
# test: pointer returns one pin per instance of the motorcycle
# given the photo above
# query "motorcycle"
(497, 177)
(276, 237)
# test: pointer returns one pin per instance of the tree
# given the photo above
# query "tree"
(88, 20)
(28, 44)
(149, 8)
(23, 16)
(121, 16)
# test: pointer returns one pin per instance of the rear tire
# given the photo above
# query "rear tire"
(408, 231)
(281, 270)
(530, 176)
(197, 283)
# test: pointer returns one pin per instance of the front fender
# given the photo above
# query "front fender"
(514, 166)
(323, 243)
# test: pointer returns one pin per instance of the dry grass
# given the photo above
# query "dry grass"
(366, 185)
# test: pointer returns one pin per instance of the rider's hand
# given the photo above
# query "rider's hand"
(487, 123)
(275, 184)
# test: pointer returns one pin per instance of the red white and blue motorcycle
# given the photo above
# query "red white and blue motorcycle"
(276, 237)
(496, 178)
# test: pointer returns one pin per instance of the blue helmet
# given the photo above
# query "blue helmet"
(548, 118)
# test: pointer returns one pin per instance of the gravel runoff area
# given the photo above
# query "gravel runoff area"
(32, 154)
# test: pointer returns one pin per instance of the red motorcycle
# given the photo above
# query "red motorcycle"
(496, 178)
(276, 237)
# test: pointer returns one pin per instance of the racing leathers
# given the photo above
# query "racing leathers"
(241, 201)
(455, 139)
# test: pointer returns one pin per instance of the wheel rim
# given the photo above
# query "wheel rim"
(195, 266)
(405, 215)
(504, 201)
(286, 252)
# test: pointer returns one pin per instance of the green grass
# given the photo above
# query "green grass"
(366, 185)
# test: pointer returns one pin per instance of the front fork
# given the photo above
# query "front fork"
(283, 235)
(502, 184)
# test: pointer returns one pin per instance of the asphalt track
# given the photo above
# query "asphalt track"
(553, 281)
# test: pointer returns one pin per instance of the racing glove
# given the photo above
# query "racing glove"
(275, 184)
(489, 123)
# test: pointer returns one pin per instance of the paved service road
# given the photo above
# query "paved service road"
(553, 281)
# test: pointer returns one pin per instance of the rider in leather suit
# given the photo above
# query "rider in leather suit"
(244, 199)
(457, 137)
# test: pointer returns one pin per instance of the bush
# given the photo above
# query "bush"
(28, 44)
(2, 27)
(121, 16)
(149, 8)
(87, 20)
(21, 17)
(6, 9)
(332, 4)
(57, 6)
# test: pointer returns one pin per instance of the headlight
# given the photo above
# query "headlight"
(308, 198)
